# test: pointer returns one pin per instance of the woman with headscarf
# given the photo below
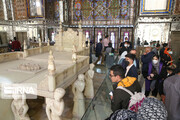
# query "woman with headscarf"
(170, 72)
(155, 76)
(122, 57)
(167, 57)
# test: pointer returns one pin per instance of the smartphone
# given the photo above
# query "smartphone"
(111, 93)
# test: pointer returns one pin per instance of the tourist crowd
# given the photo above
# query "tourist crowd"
(161, 99)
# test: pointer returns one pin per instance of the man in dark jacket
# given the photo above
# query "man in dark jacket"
(124, 48)
(131, 70)
(172, 93)
(99, 48)
(120, 98)
(146, 59)
(136, 61)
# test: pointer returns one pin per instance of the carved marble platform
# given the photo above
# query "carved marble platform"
(66, 71)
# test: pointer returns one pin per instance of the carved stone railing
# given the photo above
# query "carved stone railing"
(84, 52)
(69, 75)
(38, 50)
(4, 57)
(35, 44)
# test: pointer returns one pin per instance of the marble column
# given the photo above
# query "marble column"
(46, 34)
(61, 11)
(42, 34)
(74, 54)
(51, 71)
(25, 49)
(28, 37)
(12, 10)
(79, 103)
(55, 106)
(5, 10)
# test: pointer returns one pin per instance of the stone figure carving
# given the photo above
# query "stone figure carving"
(74, 56)
(55, 107)
(89, 89)
(19, 107)
(29, 67)
(77, 89)
(51, 71)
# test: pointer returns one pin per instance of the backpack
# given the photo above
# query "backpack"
(135, 100)
(152, 109)
(123, 114)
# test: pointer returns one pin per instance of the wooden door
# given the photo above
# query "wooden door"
(21, 36)
(3, 39)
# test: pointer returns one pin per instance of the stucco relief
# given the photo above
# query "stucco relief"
(153, 32)
(175, 27)
(69, 38)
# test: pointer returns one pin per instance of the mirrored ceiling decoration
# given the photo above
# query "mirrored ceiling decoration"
(103, 11)
(20, 9)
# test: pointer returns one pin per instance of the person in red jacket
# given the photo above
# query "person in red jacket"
(16, 45)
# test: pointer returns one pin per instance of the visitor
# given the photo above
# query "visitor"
(16, 45)
(151, 109)
(156, 73)
(165, 45)
(146, 43)
(172, 95)
(10, 46)
(109, 55)
(167, 57)
(136, 61)
(99, 48)
(146, 59)
(122, 57)
(120, 98)
(170, 72)
(121, 44)
(124, 48)
(156, 49)
(106, 42)
(130, 69)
